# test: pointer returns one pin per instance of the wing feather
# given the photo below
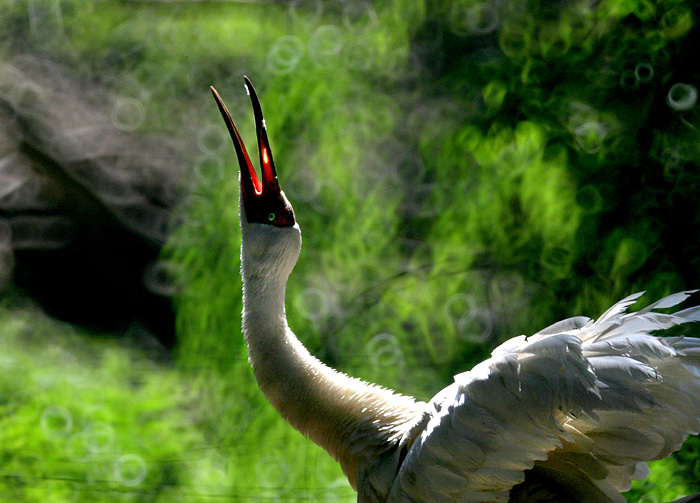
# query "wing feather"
(504, 411)
(597, 398)
(564, 326)
(619, 307)
(668, 301)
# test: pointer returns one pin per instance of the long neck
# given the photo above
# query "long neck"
(355, 422)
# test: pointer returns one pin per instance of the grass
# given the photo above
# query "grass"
(86, 419)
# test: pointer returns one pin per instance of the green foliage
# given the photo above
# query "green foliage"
(665, 483)
(85, 420)
(66, 429)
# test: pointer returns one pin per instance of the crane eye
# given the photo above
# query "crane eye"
(271, 217)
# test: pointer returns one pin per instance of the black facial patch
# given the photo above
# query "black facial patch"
(270, 208)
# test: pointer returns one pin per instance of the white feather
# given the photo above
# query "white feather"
(599, 397)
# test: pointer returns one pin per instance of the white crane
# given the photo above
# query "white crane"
(568, 414)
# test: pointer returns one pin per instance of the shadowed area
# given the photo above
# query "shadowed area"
(85, 203)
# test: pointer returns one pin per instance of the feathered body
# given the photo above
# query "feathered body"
(585, 402)
(356, 422)
(570, 413)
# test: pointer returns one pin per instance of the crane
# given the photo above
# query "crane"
(568, 414)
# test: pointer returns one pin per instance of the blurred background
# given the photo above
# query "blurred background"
(463, 172)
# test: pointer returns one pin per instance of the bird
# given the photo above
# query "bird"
(571, 413)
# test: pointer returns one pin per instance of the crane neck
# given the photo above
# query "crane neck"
(356, 422)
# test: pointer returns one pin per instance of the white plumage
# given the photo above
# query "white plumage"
(570, 413)
(596, 397)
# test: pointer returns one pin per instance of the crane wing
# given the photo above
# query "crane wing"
(584, 402)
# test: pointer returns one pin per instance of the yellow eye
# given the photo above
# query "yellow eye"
(271, 217)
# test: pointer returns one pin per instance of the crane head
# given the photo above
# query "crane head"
(263, 199)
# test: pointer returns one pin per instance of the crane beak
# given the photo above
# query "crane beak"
(263, 198)
(250, 182)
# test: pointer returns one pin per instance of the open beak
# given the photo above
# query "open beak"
(263, 198)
